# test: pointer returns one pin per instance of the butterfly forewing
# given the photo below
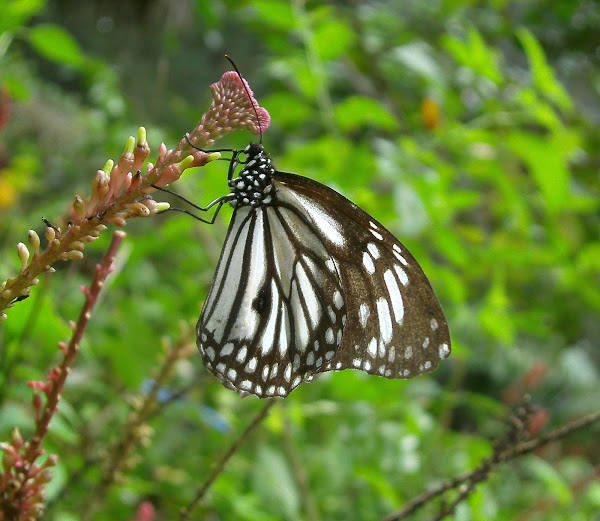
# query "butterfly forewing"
(275, 312)
(395, 326)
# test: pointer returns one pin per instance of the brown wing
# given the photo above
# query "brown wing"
(394, 325)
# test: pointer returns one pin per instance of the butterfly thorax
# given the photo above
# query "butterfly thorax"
(253, 186)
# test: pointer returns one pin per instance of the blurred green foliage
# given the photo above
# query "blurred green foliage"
(470, 129)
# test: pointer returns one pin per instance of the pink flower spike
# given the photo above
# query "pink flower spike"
(239, 105)
(36, 384)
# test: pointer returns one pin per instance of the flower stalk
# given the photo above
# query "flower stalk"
(121, 191)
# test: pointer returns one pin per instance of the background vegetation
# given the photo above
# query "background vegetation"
(469, 128)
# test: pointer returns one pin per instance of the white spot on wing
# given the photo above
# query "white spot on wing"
(385, 320)
(301, 326)
(391, 354)
(395, 295)
(251, 366)
(377, 235)
(329, 336)
(401, 275)
(372, 347)
(241, 356)
(337, 299)
(268, 337)
(330, 265)
(373, 250)
(210, 352)
(434, 324)
(227, 349)
(363, 314)
(308, 292)
(368, 263)
(444, 350)
(398, 254)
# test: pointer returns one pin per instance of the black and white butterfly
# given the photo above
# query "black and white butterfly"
(308, 282)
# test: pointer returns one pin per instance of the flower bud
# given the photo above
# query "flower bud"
(79, 207)
(74, 255)
(161, 207)
(23, 254)
(50, 233)
(108, 166)
(185, 162)
(34, 240)
(16, 438)
(129, 145)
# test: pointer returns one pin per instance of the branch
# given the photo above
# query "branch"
(220, 465)
(23, 481)
(121, 191)
(468, 480)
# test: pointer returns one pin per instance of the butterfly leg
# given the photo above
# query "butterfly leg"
(219, 202)
(187, 138)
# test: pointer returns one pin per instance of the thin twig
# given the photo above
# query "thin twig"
(220, 465)
(481, 473)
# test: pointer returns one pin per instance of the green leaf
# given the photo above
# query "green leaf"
(56, 44)
(474, 53)
(495, 316)
(15, 14)
(332, 39)
(276, 13)
(274, 482)
(547, 165)
(542, 73)
(358, 111)
(287, 110)
(555, 484)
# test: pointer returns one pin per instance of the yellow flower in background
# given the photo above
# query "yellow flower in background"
(7, 193)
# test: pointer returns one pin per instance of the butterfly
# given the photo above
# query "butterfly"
(308, 282)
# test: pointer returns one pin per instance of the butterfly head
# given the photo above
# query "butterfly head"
(253, 186)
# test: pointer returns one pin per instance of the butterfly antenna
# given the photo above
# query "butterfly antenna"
(247, 92)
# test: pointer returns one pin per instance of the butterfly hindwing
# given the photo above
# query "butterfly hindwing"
(275, 312)
(395, 326)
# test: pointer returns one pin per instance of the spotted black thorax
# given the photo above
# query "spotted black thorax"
(253, 186)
